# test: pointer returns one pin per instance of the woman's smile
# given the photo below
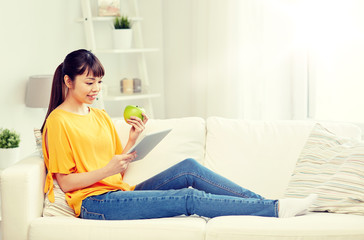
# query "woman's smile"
(92, 97)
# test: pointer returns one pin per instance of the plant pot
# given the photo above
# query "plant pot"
(122, 38)
(8, 156)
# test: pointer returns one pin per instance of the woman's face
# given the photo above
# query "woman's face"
(85, 88)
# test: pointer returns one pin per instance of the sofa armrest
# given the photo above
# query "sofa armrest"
(21, 196)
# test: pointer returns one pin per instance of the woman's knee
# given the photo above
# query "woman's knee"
(189, 163)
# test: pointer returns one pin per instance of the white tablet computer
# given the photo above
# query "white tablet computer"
(149, 141)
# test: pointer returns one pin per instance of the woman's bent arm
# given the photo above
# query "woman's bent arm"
(75, 181)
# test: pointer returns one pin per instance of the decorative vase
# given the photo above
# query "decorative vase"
(123, 38)
(127, 85)
(8, 156)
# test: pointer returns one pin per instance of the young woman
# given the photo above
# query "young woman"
(83, 153)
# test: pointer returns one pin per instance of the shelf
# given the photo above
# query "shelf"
(129, 97)
(88, 20)
(107, 19)
(131, 50)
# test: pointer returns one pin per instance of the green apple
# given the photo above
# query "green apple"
(132, 110)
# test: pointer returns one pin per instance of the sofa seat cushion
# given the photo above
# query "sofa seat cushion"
(311, 226)
(58, 228)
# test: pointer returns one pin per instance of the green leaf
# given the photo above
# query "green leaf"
(9, 139)
(122, 22)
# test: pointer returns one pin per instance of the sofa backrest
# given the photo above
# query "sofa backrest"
(186, 140)
(260, 155)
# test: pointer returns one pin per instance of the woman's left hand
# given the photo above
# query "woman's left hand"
(137, 126)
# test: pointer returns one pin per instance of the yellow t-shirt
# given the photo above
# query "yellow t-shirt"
(81, 143)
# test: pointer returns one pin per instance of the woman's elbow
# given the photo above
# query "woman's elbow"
(62, 182)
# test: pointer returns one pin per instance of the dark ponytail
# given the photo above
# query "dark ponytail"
(57, 92)
(75, 63)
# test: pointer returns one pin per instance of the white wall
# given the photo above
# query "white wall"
(227, 58)
(35, 37)
(335, 61)
(178, 57)
(336, 56)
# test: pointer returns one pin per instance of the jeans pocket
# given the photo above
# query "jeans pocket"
(91, 215)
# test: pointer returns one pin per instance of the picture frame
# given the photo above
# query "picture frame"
(108, 8)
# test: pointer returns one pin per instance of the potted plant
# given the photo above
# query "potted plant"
(9, 147)
(122, 32)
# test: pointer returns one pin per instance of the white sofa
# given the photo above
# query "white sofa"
(258, 155)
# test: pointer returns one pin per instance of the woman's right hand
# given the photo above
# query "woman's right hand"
(119, 163)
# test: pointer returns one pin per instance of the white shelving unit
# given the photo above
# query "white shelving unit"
(131, 97)
(88, 21)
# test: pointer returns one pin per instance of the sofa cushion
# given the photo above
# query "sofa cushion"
(186, 140)
(317, 161)
(332, 167)
(177, 228)
(38, 141)
(306, 227)
(344, 192)
(60, 206)
(261, 155)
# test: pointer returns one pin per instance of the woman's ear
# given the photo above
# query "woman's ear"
(67, 81)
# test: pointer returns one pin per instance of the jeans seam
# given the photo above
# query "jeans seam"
(203, 179)
(130, 199)
(241, 200)
(85, 211)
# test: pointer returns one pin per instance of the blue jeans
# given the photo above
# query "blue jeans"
(169, 194)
